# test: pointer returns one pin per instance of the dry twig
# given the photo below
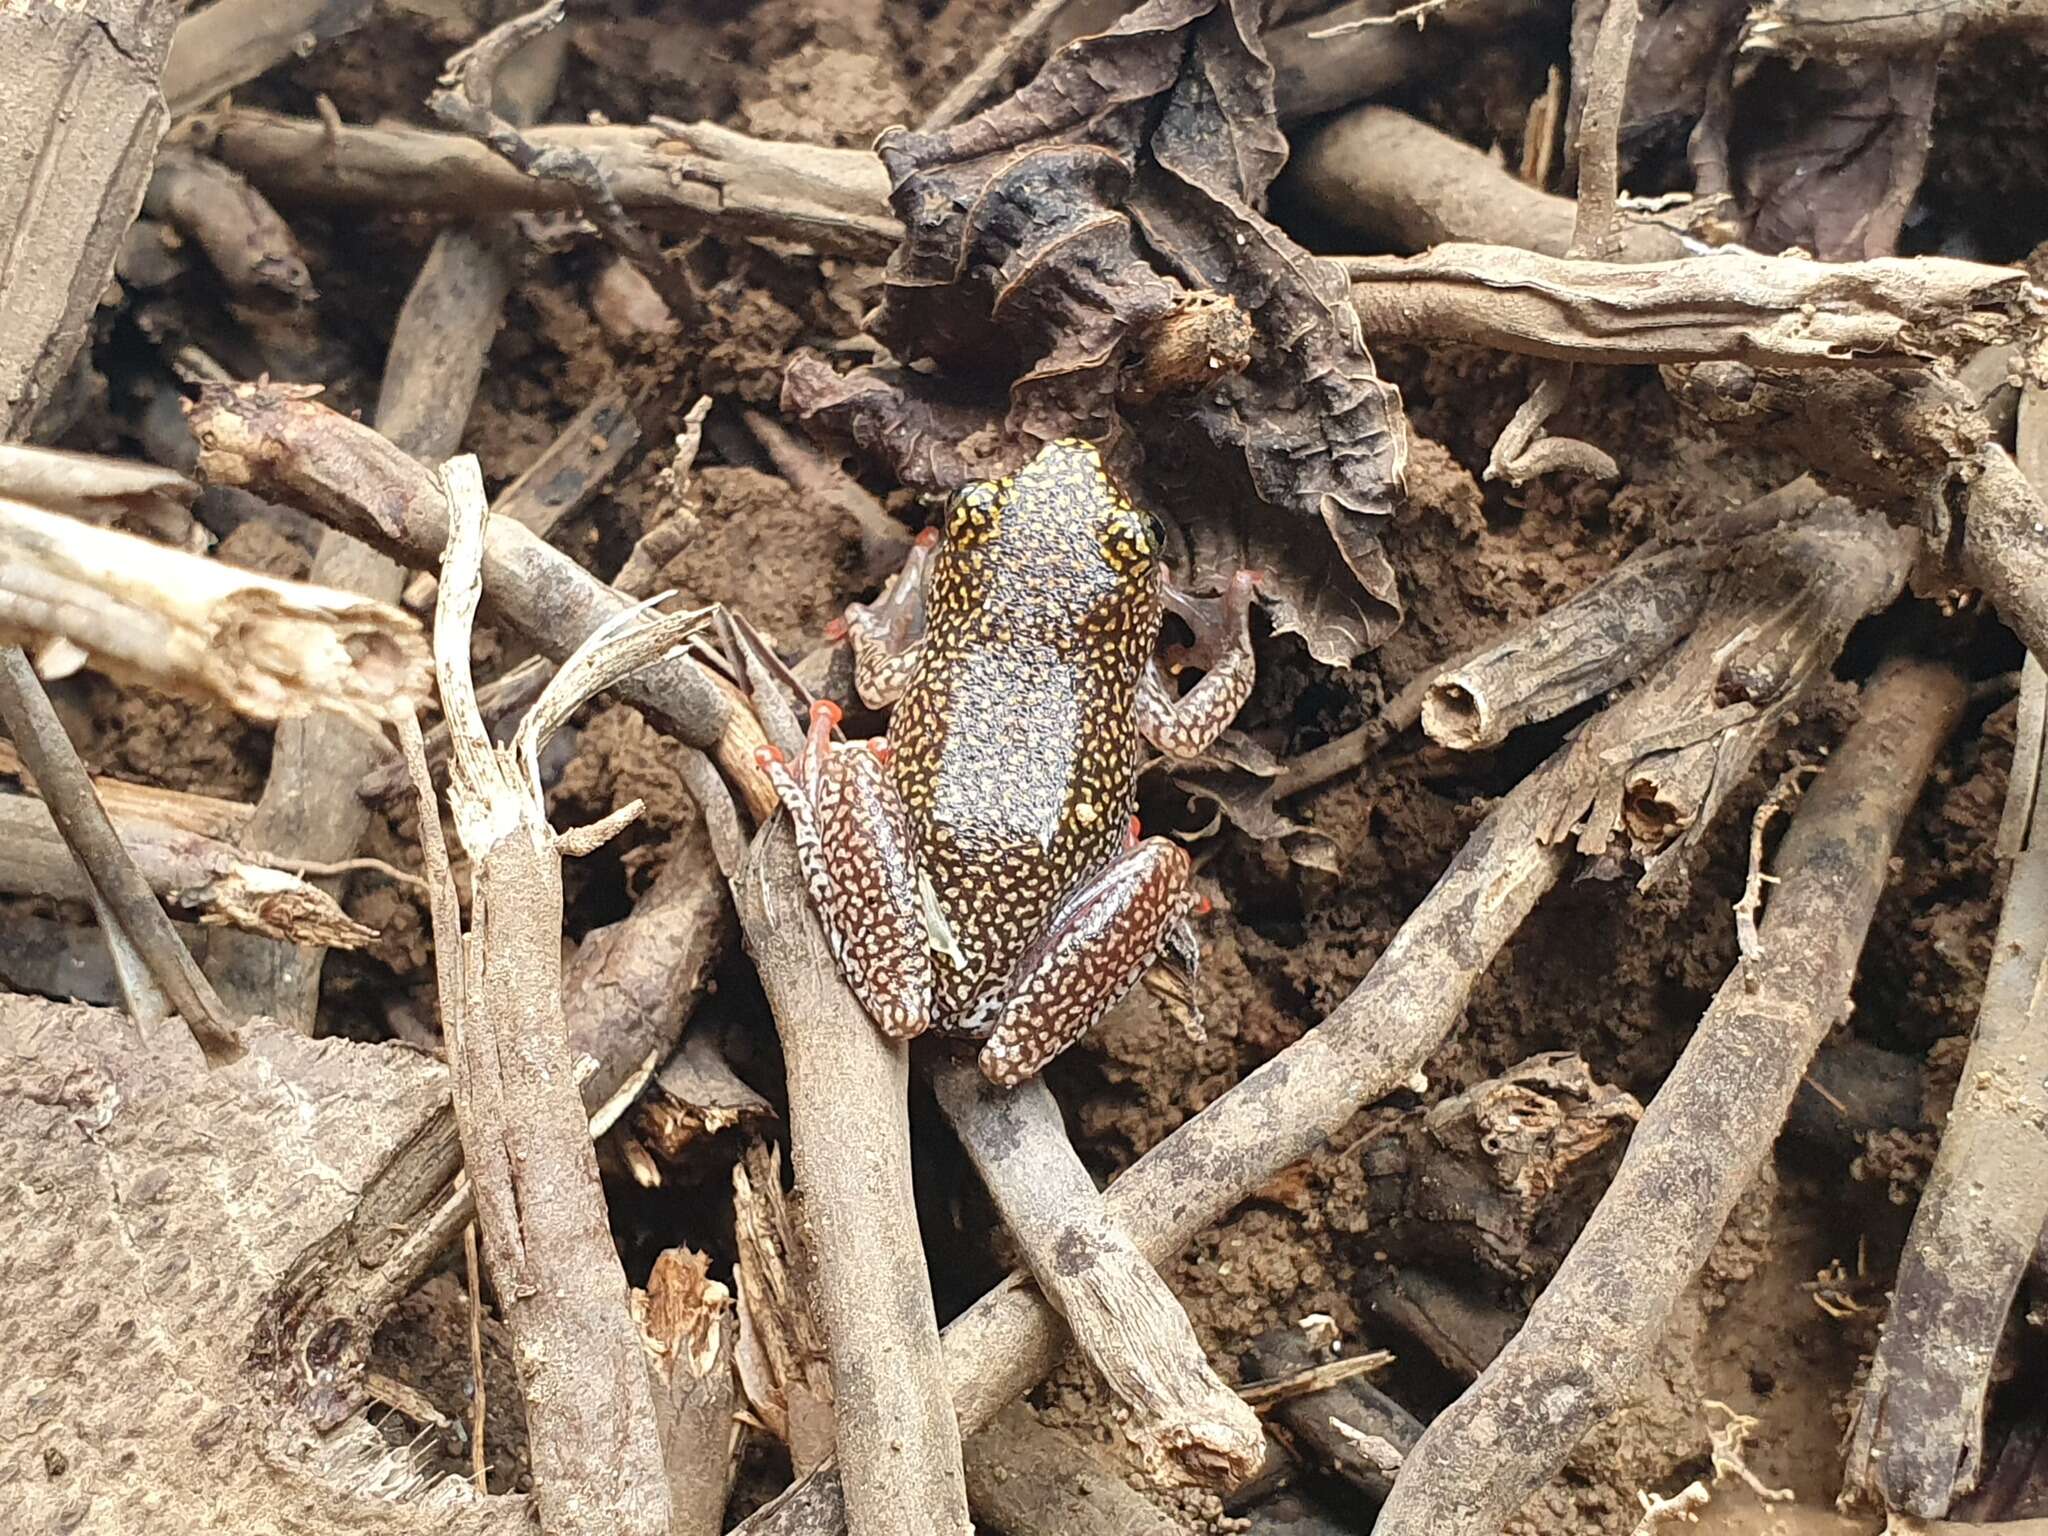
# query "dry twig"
(670, 175)
(525, 1135)
(268, 649)
(1651, 772)
(1862, 29)
(1183, 1422)
(1355, 51)
(1772, 311)
(196, 872)
(1918, 1441)
(1700, 1144)
(898, 1440)
(1408, 187)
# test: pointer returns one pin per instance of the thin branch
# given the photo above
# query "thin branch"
(465, 102)
(1866, 29)
(203, 875)
(1406, 186)
(1772, 311)
(1701, 1142)
(48, 754)
(1184, 1423)
(597, 1465)
(671, 175)
(898, 1440)
(275, 439)
(1918, 1439)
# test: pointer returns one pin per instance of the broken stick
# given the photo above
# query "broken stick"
(1770, 311)
(597, 1456)
(1185, 1424)
(1918, 1440)
(1702, 1140)
(898, 1439)
(268, 649)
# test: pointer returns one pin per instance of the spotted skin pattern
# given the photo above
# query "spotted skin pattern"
(1008, 898)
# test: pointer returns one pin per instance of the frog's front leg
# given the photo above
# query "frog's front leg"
(1181, 727)
(1097, 946)
(854, 848)
(888, 634)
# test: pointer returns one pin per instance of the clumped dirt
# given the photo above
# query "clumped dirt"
(1618, 976)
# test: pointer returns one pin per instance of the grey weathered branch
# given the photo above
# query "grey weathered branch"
(195, 872)
(1862, 29)
(597, 1457)
(1651, 772)
(1701, 1142)
(898, 1438)
(1185, 1424)
(1772, 311)
(268, 649)
(1407, 186)
(81, 116)
(1917, 442)
(670, 175)
(1315, 72)
(1918, 1440)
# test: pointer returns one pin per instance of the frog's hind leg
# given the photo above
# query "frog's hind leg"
(1106, 937)
(854, 850)
(888, 634)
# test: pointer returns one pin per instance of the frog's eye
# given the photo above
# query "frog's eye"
(1155, 530)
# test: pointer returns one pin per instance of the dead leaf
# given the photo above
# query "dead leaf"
(1047, 237)
(1237, 776)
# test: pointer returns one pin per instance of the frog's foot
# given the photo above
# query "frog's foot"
(1105, 938)
(854, 850)
(1182, 727)
(888, 634)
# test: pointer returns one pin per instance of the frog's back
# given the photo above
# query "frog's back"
(1017, 738)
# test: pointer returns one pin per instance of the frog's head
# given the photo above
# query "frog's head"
(1063, 523)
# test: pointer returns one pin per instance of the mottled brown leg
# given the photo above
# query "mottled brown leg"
(888, 634)
(1095, 950)
(854, 850)
(1182, 727)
